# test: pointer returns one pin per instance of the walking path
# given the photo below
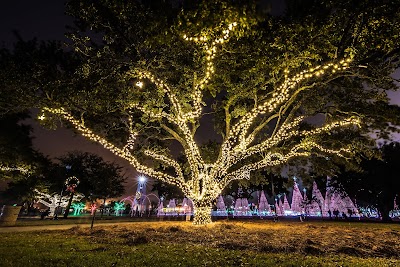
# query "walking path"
(11, 229)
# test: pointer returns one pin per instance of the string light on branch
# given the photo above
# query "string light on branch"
(42, 117)
(282, 93)
(210, 53)
(202, 216)
(123, 153)
(19, 169)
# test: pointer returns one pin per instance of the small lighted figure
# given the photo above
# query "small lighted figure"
(119, 207)
(78, 207)
(93, 208)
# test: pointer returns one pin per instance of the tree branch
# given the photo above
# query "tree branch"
(118, 151)
(168, 161)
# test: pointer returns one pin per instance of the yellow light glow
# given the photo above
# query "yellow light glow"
(139, 84)
(9, 169)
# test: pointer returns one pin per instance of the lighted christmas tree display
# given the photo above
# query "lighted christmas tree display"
(286, 206)
(187, 206)
(349, 206)
(306, 205)
(396, 211)
(297, 200)
(317, 203)
(278, 207)
(171, 208)
(327, 207)
(160, 209)
(263, 205)
(242, 207)
(139, 200)
(333, 201)
(264, 90)
(343, 204)
(221, 208)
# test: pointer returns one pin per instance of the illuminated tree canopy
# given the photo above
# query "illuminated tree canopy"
(148, 81)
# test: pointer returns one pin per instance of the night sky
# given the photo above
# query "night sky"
(45, 20)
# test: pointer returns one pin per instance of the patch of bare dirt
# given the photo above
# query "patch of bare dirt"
(306, 238)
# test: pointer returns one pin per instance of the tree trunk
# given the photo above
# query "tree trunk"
(202, 213)
(321, 210)
(29, 208)
(102, 210)
(384, 211)
(68, 206)
(93, 216)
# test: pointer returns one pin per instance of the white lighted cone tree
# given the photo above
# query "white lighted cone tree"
(221, 208)
(240, 144)
(265, 120)
(317, 201)
(297, 200)
(286, 206)
(263, 205)
(187, 206)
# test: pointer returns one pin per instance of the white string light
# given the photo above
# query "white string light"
(8, 169)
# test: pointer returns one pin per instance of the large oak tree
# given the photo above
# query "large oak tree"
(146, 80)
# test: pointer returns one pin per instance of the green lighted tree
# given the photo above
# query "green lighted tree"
(119, 207)
(78, 207)
(307, 86)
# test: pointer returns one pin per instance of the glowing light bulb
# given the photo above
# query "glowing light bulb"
(139, 84)
(142, 179)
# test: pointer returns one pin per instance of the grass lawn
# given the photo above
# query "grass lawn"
(29, 221)
(220, 244)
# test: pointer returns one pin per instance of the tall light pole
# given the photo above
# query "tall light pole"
(140, 193)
